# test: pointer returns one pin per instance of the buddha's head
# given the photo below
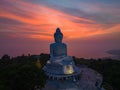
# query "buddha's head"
(58, 36)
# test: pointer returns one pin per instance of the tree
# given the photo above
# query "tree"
(5, 57)
(27, 77)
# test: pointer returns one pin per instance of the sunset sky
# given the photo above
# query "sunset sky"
(90, 27)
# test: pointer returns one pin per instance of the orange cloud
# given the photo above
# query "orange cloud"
(39, 18)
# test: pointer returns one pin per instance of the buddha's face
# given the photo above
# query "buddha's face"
(58, 38)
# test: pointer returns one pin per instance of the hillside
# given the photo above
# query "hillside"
(21, 73)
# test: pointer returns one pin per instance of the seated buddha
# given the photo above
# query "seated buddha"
(59, 62)
(58, 50)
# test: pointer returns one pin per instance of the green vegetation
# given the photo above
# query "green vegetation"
(21, 73)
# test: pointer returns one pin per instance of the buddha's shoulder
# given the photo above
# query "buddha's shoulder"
(52, 44)
(57, 44)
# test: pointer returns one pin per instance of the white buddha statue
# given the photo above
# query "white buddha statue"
(59, 62)
(58, 50)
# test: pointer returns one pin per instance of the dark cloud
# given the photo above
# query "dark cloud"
(75, 12)
(102, 18)
(15, 9)
(9, 25)
(101, 11)
(12, 26)
(9, 21)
